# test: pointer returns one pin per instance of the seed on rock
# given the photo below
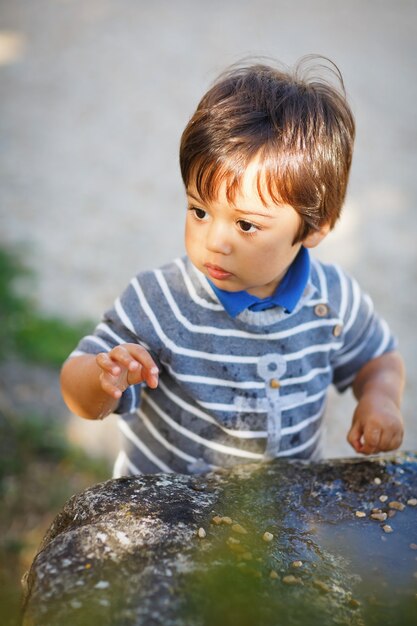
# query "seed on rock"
(355, 604)
(267, 536)
(273, 574)
(201, 533)
(233, 541)
(292, 580)
(297, 564)
(398, 506)
(360, 514)
(383, 498)
(387, 528)
(237, 528)
(412, 501)
(237, 549)
(380, 517)
(377, 481)
(322, 586)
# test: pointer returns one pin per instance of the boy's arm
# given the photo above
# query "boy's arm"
(377, 424)
(92, 385)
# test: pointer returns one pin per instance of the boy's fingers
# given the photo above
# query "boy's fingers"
(107, 364)
(391, 442)
(109, 387)
(124, 357)
(150, 370)
(138, 362)
(372, 437)
(354, 437)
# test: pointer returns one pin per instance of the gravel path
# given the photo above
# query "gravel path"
(95, 95)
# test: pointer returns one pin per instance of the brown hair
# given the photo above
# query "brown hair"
(301, 129)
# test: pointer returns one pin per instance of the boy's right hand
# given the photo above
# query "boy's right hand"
(125, 365)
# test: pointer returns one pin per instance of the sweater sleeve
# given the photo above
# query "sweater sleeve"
(365, 335)
(120, 324)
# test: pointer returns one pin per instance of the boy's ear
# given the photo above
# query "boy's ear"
(316, 236)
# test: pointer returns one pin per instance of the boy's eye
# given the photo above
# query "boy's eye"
(199, 213)
(246, 227)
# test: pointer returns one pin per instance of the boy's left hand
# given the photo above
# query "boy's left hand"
(377, 425)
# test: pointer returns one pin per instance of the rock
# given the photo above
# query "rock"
(134, 555)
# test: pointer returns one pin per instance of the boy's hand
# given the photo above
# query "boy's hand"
(125, 365)
(377, 425)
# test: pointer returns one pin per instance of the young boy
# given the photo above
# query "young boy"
(239, 341)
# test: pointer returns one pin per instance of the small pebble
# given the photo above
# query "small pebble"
(297, 564)
(387, 528)
(413, 546)
(75, 604)
(273, 574)
(292, 580)
(383, 498)
(227, 520)
(380, 517)
(360, 514)
(217, 520)
(267, 536)
(103, 584)
(377, 481)
(392, 513)
(201, 533)
(376, 510)
(237, 528)
(398, 506)
(412, 501)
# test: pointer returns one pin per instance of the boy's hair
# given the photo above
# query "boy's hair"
(300, 128)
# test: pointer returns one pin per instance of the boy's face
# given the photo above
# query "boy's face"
(245, 245)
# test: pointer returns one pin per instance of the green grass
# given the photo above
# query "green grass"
(39, 468)
(39, 471)
(25, 331)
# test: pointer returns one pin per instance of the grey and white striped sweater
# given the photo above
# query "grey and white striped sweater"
(234, 390)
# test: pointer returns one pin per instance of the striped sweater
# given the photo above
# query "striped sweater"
(233, 390)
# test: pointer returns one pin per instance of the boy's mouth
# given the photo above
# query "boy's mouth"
(217, 272)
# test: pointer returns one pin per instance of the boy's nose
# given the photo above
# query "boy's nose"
(218, 239)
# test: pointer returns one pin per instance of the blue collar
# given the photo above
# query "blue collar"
(287, 294)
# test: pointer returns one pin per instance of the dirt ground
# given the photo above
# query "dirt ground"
(95, 94)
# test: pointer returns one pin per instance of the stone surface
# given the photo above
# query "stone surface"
(128, 552)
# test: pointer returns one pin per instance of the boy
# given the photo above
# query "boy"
(239, 341)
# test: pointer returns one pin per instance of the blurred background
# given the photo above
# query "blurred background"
(94, 95)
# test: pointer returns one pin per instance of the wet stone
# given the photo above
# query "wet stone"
(131, 551)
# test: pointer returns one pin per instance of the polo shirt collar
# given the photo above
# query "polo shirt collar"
(287, 294)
